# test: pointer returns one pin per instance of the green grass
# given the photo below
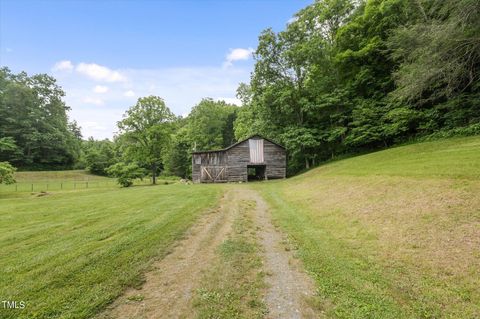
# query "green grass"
(44, 181)
(392, 234)
(454, 157)
(232, 288)
(68, 254)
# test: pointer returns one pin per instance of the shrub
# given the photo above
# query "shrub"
(126, 173)
(6, 173)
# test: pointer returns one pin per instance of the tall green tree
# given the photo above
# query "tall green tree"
(146, 132)
(439, 58)
(178, 158)
(293, 80)
(34, 115)
(210, 124)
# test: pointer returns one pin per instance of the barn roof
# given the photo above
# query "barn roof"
(239, 142)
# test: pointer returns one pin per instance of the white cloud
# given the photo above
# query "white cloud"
(92, 100)
(129, 93)
(237, 55)
(100, 73)
(64, 65)
(100, 89)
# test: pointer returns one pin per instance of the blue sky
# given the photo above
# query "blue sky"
(105, 54)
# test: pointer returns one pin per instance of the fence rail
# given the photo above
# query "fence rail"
(46, 186)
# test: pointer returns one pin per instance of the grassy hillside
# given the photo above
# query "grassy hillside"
(392, 234)
(68, 253)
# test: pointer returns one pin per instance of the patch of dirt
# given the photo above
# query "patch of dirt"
(169, 288)
(290, 287)
(41, 194)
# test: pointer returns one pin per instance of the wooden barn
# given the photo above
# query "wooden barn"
(255, 158)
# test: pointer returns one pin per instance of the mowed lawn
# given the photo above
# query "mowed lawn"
(391, 234)
(67, 254)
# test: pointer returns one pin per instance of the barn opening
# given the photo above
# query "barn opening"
(256, 172)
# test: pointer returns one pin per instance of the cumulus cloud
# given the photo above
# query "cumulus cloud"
(100, 89)
(237, 55)
(100, 73)
(64, 65)
(129, 93)
(92, 100)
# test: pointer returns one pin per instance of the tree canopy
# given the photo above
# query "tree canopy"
(34, 116)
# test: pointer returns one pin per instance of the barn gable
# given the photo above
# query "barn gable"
(255, 157)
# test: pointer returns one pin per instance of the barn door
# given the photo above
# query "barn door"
(256, 150)
(211, 174)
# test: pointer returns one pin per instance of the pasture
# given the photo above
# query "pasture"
(68, 254)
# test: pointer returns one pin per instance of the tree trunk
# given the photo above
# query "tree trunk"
(307, 164)
(154, 174)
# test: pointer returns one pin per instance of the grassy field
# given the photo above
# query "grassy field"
(69, 253)
(392, 234)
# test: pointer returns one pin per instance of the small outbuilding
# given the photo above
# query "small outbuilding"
(255, 158)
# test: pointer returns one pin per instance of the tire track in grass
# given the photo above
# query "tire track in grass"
(233, 287)
(290, 289)
(254, 275)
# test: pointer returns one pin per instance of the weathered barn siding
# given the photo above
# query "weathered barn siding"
(275, 160)
(209, 164)
(238, 157)
(231, 164)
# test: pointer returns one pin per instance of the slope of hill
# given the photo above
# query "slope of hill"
(391, 234)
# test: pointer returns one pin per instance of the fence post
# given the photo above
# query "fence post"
(61, 185)
(87, 184)
(32, 187)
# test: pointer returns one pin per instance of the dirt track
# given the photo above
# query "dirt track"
(169, 288)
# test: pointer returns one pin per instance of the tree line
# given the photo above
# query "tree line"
(343, 77)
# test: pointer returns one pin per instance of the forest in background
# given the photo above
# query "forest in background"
(344, 77)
